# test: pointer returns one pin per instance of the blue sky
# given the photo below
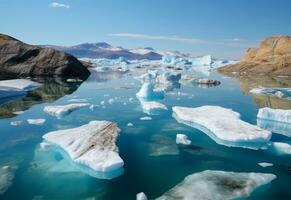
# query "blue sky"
(223, 28)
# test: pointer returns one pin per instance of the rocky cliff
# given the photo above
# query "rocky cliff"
(273, 57)
(20, 59)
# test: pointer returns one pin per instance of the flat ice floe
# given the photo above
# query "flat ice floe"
(62, 110)
(141, 196)
(152, 107)
(282, 93)
(279, 115)
(265, 164)
(217, 185)
(182, 139)
(223, 126)
(92, 145)
(16, 87)
(282, 148)
(147, 91)
(36, 121)
(6, 178)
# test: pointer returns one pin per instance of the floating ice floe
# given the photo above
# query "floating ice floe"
(149, 76)
(265, 164)
(92, 145)
(175, 60)
(141, 196)
(182, 139)
(6, 178)
(152, 107)
(16, 87)
(282, 93)
(188, 79)
(279, 115)
(223, 126)
(218, 185)
(145, 118)
(36, 121)
(147, 91)
(78, 100)
(62, 110)
(281, 148)
(16, 123)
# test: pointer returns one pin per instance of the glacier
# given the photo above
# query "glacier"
(265, 164)
(217, 185)
(223, 126)
(92, 145)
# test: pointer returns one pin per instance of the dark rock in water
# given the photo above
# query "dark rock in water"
(18, 59)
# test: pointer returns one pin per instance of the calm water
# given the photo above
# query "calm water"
(153, 161)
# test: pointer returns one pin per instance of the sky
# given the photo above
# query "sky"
(222, 28)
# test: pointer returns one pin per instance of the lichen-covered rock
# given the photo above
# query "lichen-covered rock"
(20, 59)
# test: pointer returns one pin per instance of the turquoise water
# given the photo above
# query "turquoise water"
(153, 161)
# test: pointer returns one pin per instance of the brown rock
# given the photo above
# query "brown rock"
(20, 59)
(273, 57)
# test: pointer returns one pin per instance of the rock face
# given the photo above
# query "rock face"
(272, 57)
(20, 59)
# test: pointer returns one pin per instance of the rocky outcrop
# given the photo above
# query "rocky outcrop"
(273, 57)
(20, 59)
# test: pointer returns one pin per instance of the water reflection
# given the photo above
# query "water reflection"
(50, 90)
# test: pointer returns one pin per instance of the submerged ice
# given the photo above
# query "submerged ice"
(223, 125)
(218, 185)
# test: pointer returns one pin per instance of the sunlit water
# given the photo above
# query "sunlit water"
(153, 161)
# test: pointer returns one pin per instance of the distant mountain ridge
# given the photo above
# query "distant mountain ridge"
(105, 50)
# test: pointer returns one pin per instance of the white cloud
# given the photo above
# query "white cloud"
(157, 37)
(58, 5)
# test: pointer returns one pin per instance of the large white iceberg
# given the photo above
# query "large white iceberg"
(279, 115)
(223, 126)
(217, 185)
(275, 126)
(61, 110)
(92, 145)
(16, 87)
(39, 121)
(147, 91)
(283, 93)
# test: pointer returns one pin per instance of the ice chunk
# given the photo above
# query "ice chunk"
(218, 185)
(279, 115)
(92, 145)
(202, 61)
(130, 124)
(283, 93)
(6, 178)
(141, 196)
(168, 76)
(78, 100)
(152, 107)
(62, 110)
(282, 148)
(276, 127)
(223, 126)
(145, 118)
(20, 84)
(147, 91)
(175, 60)
(149, 76)
(265, 164)
(182, 139)
(16, 123)
(111, 101)
(36, 121)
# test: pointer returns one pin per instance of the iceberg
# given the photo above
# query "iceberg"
(218, 185)
(223, 126)
(202, 61)
(145, 118)
(147, 91)
(141, 196)
(16, 87)
(16, 123)
(149, 76)
(282, 93)
(182, 139)
(36, 121)
(92, 145)
(169, 77)
(276, 127)
(175, 60)
(278, 115)
(152, 107)
(265, 164)
(62, 110)
(6, 178)
(281, 148)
